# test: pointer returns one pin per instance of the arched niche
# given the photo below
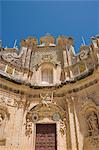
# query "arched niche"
(91, 117)
(47, 73)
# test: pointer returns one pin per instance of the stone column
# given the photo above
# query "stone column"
(24, 49)
(72, 126)
(79, 135)
(54, 75)
(24, 139)
(58, 74)
(6, 68)
(17, 130)
(71, 74)
(10, 126)
(13, 71)
(65, 58)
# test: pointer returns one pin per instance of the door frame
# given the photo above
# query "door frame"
(61, 140)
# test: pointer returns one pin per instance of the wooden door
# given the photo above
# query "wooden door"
(46, 137)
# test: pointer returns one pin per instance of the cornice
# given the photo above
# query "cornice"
(59, 91)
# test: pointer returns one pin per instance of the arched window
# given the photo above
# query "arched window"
(47, 75)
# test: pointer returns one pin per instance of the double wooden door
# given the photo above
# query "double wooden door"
(46, 137)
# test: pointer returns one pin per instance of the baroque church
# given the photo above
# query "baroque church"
(49, 95)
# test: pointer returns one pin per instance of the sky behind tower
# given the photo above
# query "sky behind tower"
(76, 18)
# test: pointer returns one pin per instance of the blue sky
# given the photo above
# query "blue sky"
(76, 18)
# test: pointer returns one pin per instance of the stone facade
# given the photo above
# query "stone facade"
(46, 84)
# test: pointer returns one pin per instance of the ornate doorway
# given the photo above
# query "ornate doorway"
(46, 137)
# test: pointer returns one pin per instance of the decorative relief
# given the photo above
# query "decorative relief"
(9, 57)
(56, 117)
(63, 126)
(19, 103)
(92, 121)
(28, 128)
(90, 113)
(88, 100)
(44, 55)
(47, 58)
(45, 109)
(35, 117)
(14, 102)
(92, 124)
(46, 99)
(84, 54)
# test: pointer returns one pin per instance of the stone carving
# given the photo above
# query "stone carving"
(19, 103)
(45, 100)
(6, 100)
(56, 116)
(47, 58)
(92, 129)
(28, 127)
(35, 117)
(45, 109)
(84, 54)
(9, 57)
(63, 126)
(93, 124)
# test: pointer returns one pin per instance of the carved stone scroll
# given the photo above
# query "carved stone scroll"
(92, 124)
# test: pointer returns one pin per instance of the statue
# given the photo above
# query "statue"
(46, 99)
(92, 122)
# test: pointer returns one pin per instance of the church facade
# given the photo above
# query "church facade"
(49, 95)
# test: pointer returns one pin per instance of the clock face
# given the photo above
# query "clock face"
(56, 117)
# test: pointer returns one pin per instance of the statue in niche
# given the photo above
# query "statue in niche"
(93, 124)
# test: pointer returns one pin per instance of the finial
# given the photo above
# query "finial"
(0, 43)
(15, 44)
(83, 41)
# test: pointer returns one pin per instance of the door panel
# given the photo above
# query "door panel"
(46, 137)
